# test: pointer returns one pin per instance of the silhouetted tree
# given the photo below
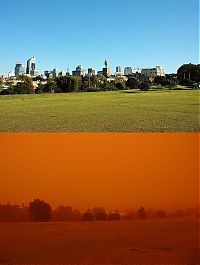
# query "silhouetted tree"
(141, 213)
(39, 211)
(114, 217)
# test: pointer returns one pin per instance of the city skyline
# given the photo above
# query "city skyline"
(129, 33)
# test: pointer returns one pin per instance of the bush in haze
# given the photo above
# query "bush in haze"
(161, 214)
(65, 213)
(114, 217)
(87, 217)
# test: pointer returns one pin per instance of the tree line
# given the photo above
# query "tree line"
(41, 211)
(186, 75)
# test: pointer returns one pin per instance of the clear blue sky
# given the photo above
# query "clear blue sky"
(138, 33)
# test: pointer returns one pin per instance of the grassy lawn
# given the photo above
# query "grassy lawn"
(124, 111)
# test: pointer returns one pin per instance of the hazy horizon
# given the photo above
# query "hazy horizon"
(109, 170)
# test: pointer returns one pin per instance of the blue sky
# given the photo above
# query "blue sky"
(138, 33)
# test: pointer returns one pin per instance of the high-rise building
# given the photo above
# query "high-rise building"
(118, 71)
(128, 71)
(79, 71)
(55, 72)
(19, 69)
(31, 67)
(106, 69)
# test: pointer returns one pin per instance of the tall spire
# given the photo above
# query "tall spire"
(106, 64)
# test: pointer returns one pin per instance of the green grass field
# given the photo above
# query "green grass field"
(121, 111)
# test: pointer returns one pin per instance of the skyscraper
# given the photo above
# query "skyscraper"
(31, 66)
(19, 69)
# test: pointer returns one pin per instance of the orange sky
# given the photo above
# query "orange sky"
(112, 170)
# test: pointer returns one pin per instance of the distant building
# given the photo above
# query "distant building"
(100, 73)
(136, 70)
(48, 74)
(11, 74)
(91, 72)
(62, 73)
(106, 70)
(55, 72)
(79, 71)
(19, 69)
(153, 72)
(118, 71)
(128, 71)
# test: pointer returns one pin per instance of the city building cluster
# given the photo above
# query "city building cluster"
(32, 71)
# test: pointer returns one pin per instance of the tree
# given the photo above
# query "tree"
(144, 86)
(120, 86)
(68, 84)
(132, 83)
(1, 84)
(165, 81)
(39, 211)
(189, 71)
(141, 213)
(25, 86)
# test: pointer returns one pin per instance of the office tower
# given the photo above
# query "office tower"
(19, 69)
(118, 71)
(55, 72)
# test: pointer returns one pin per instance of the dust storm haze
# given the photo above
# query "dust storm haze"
(110, 170)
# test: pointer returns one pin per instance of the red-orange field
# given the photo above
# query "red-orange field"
(170, 241)
(110, 170)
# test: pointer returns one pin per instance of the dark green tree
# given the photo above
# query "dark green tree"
(189, 71)
(25, 86)
(132, 83)
(145, 86)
